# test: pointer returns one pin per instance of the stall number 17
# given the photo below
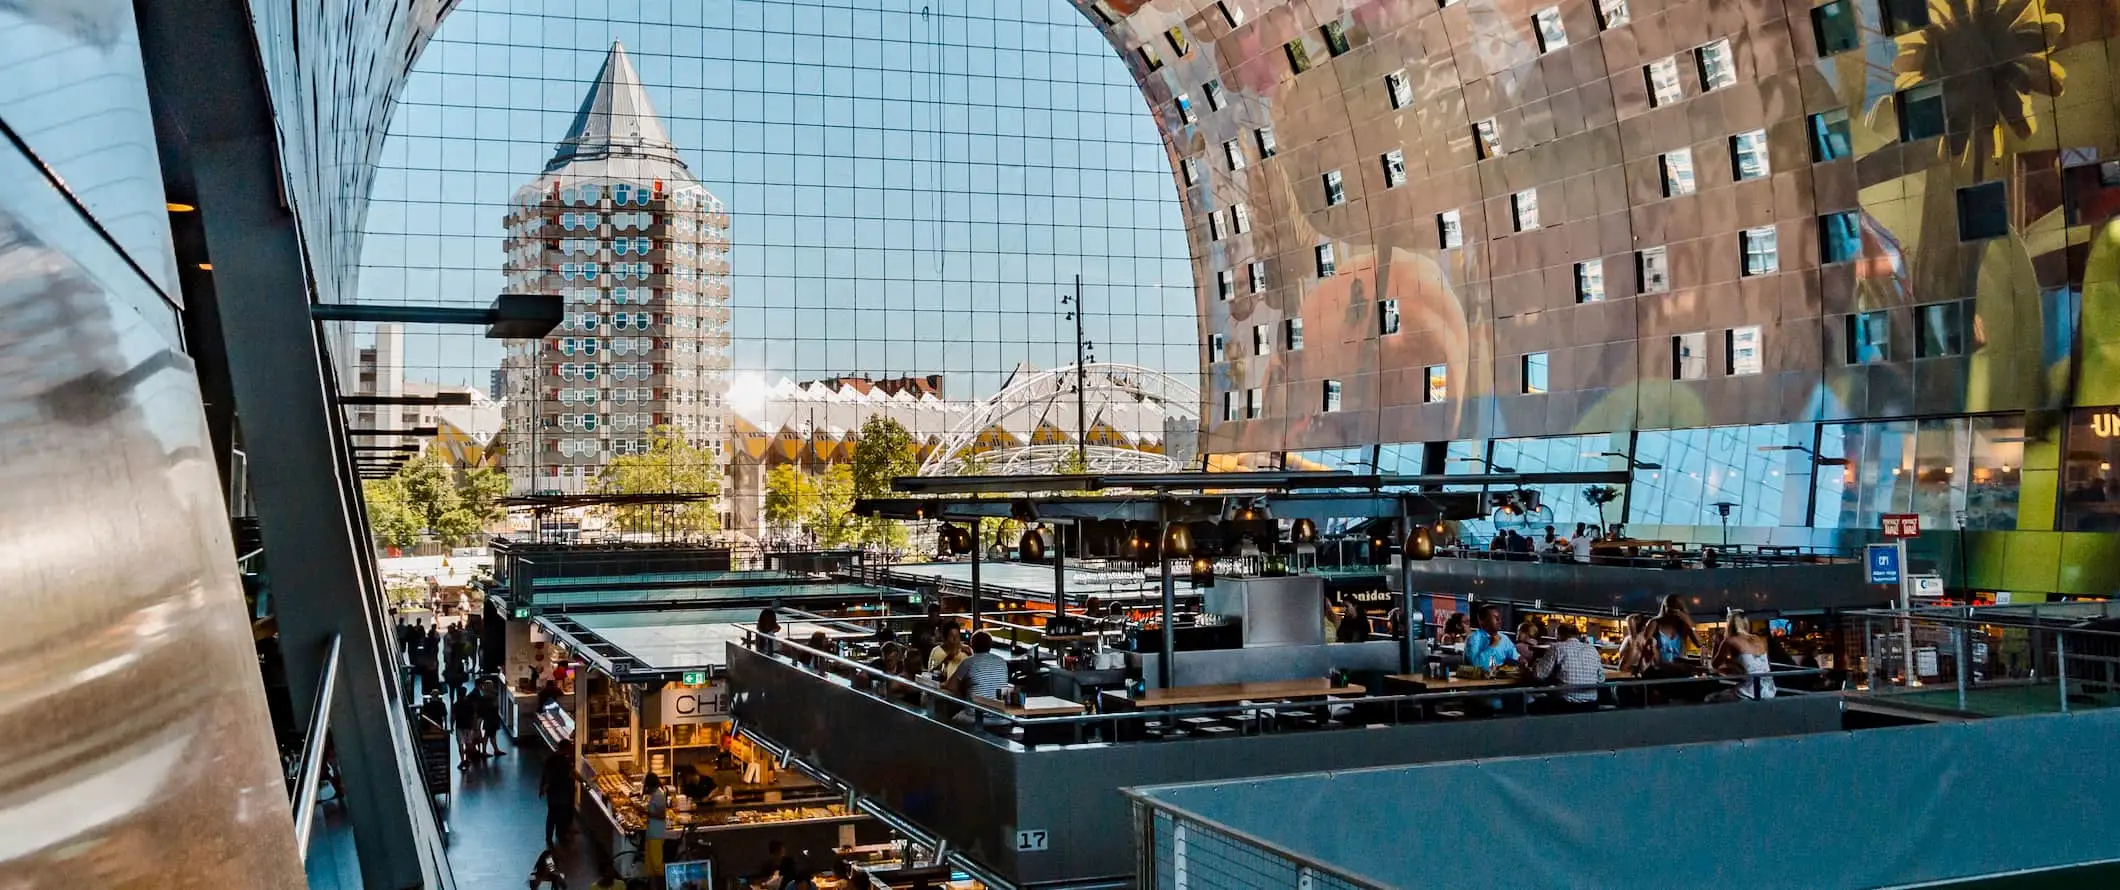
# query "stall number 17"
(1030, 840)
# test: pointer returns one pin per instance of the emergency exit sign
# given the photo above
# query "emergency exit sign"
(695, 678)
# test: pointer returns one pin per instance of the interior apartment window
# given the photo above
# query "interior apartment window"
(1258, 276)
(1920, 112)
(1438, 380)
(1839, 237)
(1104, 12)
(1239, 219)
(1718, 67)
(1535, 368)
(1869, 337)
(1149, 57)
(1831, 138)
(1230, 12)
(1332, 395)
(1254, 402)
(1212, 90)
(1836, 28)
(1689, 356)
(1291, 334)
(1552, 35)
(1941, 330)
(1662, 75)
(1233, 152)
(1185, 109)
(1399, 87)
(1178, 43)
(1611, 13)
(1217, 347)
(1229, 406)
(1226, 284)
(1748, 155)
(1335, 38)
(1486, 138)
(1324, 261)
(1901, 16)
(1190, 169)
(1214, 225)
(1983, 211)
(1523, 208)
(1298, 55)
(1678, 172)
(1742, 347)
(1762, 256)
(1653, 265)
(1335, 193)
(1387, 317)
(1590, 281)
(1450, 225)
(1267, 147)
(1261, 341)
(1394, 168)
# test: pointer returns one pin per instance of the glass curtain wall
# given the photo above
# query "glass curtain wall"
(1944, 469)
(1746, 467)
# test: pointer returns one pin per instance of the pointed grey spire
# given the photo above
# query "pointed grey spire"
(616, 120)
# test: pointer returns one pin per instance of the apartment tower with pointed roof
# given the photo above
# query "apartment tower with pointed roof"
(639, 250)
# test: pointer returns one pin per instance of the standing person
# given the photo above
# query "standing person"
(464, 716)
(1570, 661)
(556, 786)
(454, 676)
(927, 632)
(768, 629)
(1552, 541)
(490, 701)
(1579, 546)
(657, 805)
(1743, 654)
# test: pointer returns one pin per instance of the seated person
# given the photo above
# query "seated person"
(944, 660)
(1570, 661)
(1354, 625)
(982, 674)
(1488, 648)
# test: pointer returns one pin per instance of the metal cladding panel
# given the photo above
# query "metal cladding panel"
(1792, 588)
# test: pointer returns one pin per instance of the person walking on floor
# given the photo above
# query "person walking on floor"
(556, 786)
(491, 698)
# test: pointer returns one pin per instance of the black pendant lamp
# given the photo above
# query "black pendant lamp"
(1032, 547)
(1420, 543)
(1303, 532)
(1179, 542)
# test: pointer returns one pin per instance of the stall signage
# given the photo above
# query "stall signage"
(1883, 560)
(2105, 425)
(1031, 840)
(1371, 596)
(1108, 578)
(1902, 525)
(705, 704)
(1927, 585)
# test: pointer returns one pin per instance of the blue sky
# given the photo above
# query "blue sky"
(911, 200)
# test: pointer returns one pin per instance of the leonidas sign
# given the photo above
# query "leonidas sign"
(699, 704)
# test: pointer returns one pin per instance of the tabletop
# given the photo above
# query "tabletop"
(1035, 706)
(1221, 693)
(1431, 684)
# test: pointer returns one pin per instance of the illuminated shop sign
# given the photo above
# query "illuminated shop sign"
(2105, 425)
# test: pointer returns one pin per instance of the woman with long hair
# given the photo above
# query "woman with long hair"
(1671, 630)
(1636, 650)
(1743, 654)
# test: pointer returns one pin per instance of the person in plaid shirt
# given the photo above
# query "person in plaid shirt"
(1570, 661)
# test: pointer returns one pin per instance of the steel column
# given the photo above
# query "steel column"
(977, 545)
(1165, 666)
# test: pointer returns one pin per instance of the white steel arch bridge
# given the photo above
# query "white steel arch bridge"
(1125, 409)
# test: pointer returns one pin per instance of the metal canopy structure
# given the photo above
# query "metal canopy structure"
(446, 398)
(1110, 409)
(511, 317)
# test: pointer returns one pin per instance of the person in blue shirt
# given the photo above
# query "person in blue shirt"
(1489, 648)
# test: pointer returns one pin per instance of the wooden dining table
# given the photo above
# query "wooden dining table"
(1035, 706)
(1233, 693)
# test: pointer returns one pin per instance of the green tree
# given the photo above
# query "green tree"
(391, 521)
(671, 466)
(482, 489)
(430, 489)
(1071, 464)
(832, 518)
(883, 453)
(791, 498)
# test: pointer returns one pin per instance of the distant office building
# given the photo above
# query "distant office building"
(620, 228)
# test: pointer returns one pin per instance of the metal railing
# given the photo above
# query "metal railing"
(311, 769)
(1179, 849)
(937, 703)
(1991, 660)
(1682, 556)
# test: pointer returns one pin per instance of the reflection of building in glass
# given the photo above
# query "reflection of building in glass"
(463, 434)
(639, 251)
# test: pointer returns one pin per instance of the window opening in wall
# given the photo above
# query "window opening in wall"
(1332, 396)
(1254, 402)
(1835, 27)
(1748, 155)
(1653, 266)
(1487, 139)
(1149, 57)
(1190, 169)
(1689, 356)
(1662, 76)
(1229, 406)
(1185, 109)
(1941, 328)
(1762, 255)
(1611, 13)
(1718, 67)
(1292, 334)
(1678, 172)
(1226, 284)
(1399, 88)
(1590, 281)
(1387, 317)
(1239, 219)
(1261, 342)
(1335, 193)
(1920, 112)
(1742, 348)
(1839, 237)
(1214, 225)
(1258, 276)
(1983, 211)
(1212, 90)
(1831, 137)
(1523, 207)
(1298, 55)
(1217, 347)
(1901, 16)
(1335, 38)
(1394, 168)
(1264, 136)
(1438, 379)
(1324, 261)
(1178, 43)
(1450, 226)
(1552, 35)
(1535, 368)
(1233, 152)
(1869, 337)
(1104, 12)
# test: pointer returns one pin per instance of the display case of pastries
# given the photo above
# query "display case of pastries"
(554, 725)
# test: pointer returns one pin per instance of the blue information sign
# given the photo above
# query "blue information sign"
(1883, 560)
